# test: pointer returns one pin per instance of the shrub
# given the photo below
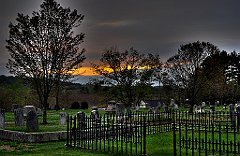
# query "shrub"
(75, 105)
(84, 105)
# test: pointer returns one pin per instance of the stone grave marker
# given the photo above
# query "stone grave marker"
(2, 118)
(15, 106)
(63, 118)
(175, 106)
(32, 121)
(232, 115)
(27, 109)
(18, 117)
(238, 117)
(119, 109)
(212, 108)
(95, 118)
(81, 119)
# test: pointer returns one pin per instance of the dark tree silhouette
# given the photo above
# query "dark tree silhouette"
(44, 47)
(186, 67)
(129, 72)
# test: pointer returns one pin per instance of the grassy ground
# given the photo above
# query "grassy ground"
(53, 121)
(159, 144)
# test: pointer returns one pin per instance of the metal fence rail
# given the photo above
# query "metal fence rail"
(124, 134)
(215, 133)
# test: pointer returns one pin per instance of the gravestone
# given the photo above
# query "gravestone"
(232, 115)
(119, 109)
(175, 106)
(63, 118)
(18, 117)
(212, 108)
(195, 108)
(81, 120)
(95, 118)
(32, 121)
(15, 106)
(165, 107)
(2, 118)
(225, 106)
(27, 109)
(238, 117)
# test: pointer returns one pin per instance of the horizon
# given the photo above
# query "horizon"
(157, 27)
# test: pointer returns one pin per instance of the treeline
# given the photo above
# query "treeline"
(16, 90)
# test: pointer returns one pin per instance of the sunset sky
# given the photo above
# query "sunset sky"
(150, 26)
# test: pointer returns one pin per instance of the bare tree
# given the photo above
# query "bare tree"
(44, 47)
(186, 67)
(129, 73)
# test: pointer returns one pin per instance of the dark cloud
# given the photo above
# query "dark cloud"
(152, 26)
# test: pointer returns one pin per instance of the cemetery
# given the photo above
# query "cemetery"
(209, 131)
(122, 101)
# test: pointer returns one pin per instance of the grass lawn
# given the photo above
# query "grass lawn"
(157, 145)
(52, 118)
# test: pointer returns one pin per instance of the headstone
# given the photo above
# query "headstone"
(32, 121)
(95, 118)
(172, 103)
(27, 109)
(232, 115)
(2, 118)
(231, 108)
(81, 119)
(175, 106)
(18, 117)
(212, 108)
(15, 106)
(238, 117)
(39, 111)
(195, 108)
(165, 108)
(225, 106)
(63, 118)
(119, 109)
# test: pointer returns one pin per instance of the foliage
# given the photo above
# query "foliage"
(186, 67)
(84, 105)
(43, 47)
(129, 73)
(75, 105)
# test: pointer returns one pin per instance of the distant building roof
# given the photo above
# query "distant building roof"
(153, 103)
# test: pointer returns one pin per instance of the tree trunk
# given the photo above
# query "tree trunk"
(45, 107)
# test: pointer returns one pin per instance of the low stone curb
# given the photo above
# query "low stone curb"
(32, 137)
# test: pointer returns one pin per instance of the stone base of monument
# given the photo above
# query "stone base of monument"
(32, 137)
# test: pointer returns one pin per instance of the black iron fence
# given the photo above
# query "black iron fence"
(123, 134)
(211, 133)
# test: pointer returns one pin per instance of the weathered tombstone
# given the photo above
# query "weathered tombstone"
(212, 108)
(2, 118)
(18, 117)
(175, 106)
(195, 108)
(63, 118)
(32, 121)
(39, 111)
(119, 109)
(165, 108)
(238, 117)
(27, 109)
(232, 115)
(96, 122)
(225, 106)
(15, 106)
(81, 119)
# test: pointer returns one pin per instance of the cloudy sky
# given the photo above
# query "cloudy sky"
(150, 26)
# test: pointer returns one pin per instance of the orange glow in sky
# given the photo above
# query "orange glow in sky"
(84, 71)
